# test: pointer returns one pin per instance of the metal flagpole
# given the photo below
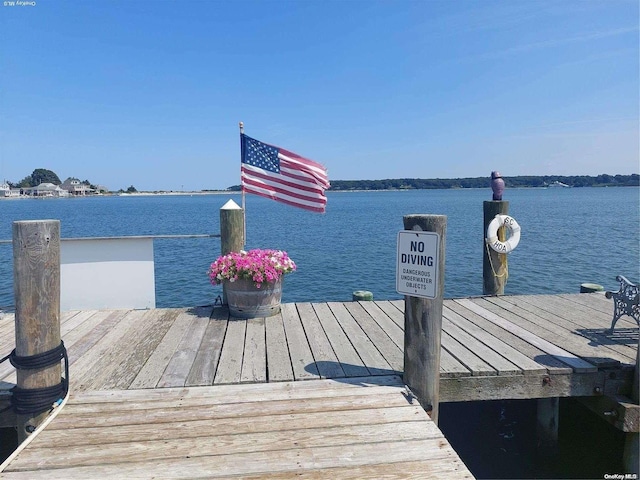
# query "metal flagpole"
(244, 215)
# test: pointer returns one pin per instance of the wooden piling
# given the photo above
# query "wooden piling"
(547, 423)
(423, 325)
(36, 284)
(231, 232)
(494, 264)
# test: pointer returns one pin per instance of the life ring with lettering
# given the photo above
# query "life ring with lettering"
(492, 234)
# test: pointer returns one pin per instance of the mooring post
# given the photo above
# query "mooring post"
(494, 264)
(423, 325)
(36, 285)
(231, 232)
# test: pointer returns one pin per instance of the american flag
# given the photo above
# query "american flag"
(283, 176)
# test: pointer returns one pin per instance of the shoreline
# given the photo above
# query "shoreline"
(235, 192)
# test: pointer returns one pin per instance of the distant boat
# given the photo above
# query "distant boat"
(558, 184)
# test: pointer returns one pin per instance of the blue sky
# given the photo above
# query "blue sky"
(150, 93)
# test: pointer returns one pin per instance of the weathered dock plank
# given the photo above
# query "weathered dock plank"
(573, 361)
(182, 360)
(99, 325)
(451, 367)
(219, 444)
(366, 349)
(386, 323)
(396, 314)
(552, 365)
(205, 364)
(385, 345)
(543, 323)
(522, 361)
(476, 365)
(78, 437)
(102, 353)
(140, 340)
(499, 363)
(278, 359)
(596, 301)
(254, 361)
(150, 374)
(348, 457)
(331, 429)
(230, 367)
(126, 372)
(302, 361)
(325, 358)
(350, 362)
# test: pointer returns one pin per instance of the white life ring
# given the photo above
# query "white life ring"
(514, 234)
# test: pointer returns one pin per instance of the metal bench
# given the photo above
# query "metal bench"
(626, 301)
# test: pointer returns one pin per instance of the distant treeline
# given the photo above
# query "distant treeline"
(603, 180)
(484, 182)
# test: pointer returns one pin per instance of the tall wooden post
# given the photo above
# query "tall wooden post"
(36, 284)
(494, 264)
(423, 325)
(231, 232)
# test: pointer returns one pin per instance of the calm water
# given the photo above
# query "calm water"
(569, 236)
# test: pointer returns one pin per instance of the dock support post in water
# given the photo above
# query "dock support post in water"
(36, 284)
(231, 232)
(423, 325)
(547, 421)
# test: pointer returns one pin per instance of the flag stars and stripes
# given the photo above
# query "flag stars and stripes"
(283, 176)
(261, 155)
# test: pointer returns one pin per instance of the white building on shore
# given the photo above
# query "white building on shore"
(6, 191)
(45, 190)
(76, 188)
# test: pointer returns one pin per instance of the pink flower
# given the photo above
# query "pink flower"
(260, 266)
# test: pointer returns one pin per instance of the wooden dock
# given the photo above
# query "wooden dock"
(318, 429)
(508, 347)
(184, 370)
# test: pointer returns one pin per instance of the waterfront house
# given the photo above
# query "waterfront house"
(75, 187)
(46, 190)
(7, 191)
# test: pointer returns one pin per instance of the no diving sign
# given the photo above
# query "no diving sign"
(417, 266)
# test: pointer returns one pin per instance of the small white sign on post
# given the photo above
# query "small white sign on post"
(417, 266)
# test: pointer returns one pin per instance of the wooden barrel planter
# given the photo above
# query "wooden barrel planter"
(245, 300)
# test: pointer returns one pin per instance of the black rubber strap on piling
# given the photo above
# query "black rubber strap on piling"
(37, 400)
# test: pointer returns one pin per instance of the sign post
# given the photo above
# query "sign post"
(417, 270)
(420, 277)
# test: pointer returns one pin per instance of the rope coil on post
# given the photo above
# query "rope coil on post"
(38, 400)
(503, 264)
